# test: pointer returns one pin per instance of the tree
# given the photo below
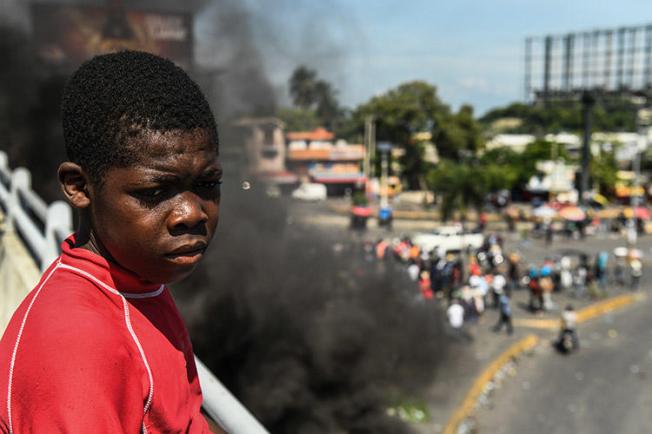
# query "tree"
(318, 96)
(302, 87)
(603, 169)
(458, 186)
(610, 114)
(399, 113)
(297, 119)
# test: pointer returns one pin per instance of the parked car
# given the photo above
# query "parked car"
(310, 191)
(448, 238)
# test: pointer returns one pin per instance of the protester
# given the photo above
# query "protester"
(636, 271)
(498, 284)
(569, 327)
(413, 270)
(505, 318)
(455, 314)
(424, 285)
(513, 271)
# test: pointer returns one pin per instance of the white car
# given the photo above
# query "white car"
(310, 191)
(447, 238)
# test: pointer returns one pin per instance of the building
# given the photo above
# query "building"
(264, 143)
(313, 157)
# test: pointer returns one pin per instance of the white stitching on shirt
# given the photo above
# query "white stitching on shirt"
(138, 295)
(129, 327)
(15, 351)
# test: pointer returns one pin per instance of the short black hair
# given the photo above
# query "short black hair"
(113, 97)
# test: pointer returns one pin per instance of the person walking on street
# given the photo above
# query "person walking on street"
(455, 315)
(636, 269)
(513, 271)
(505, 318)
(498, 284)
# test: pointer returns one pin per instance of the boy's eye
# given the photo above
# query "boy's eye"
(151, 194)
(210, 184)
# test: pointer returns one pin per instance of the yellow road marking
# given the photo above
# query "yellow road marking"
(589, 312)
(466, 407)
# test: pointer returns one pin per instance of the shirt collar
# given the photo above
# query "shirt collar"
(112, 274)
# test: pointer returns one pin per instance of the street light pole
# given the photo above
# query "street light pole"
(384, 200)
(587, 105)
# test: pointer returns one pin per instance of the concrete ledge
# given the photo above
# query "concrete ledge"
(18, 275)
(465, 409)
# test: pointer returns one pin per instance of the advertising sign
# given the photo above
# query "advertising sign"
(66, 35)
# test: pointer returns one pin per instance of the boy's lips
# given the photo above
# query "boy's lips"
(188, 254)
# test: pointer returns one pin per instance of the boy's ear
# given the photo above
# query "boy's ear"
(75, 184)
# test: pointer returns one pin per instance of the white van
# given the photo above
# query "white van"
(310, 191)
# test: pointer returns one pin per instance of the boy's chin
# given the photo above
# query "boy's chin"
(178, 275)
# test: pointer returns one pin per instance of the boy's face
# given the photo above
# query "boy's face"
(157, 217)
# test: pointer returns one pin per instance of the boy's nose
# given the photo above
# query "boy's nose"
(187, 214)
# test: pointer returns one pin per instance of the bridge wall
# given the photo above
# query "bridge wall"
(18, 275)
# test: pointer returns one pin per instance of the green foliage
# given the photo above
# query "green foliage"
(359, 198)
(459, 187)
(554, 117)
(520, 167)
(411, 108)
(457, 136)
(298, 119)
(311, 94)
(302, 87)
(603, 169)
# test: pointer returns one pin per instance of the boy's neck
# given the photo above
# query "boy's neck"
(86, 239)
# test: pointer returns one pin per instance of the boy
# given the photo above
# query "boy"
(99, 346)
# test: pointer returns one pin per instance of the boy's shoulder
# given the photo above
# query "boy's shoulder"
(65, 314)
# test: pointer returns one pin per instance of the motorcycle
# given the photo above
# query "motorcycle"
(567, 343)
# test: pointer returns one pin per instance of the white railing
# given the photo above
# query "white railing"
(43, 227)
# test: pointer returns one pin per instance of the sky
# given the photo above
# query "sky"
(471, 50)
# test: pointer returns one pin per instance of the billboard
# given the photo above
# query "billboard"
(617, 60)
(66, 35)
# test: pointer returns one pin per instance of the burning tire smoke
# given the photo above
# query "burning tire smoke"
(311, 336)
(308, 333)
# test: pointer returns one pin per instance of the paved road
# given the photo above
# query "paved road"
(605, 388)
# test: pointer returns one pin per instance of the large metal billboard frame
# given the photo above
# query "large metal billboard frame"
(616, 61)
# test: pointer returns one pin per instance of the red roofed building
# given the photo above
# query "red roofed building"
(317, 135)
(312, 156)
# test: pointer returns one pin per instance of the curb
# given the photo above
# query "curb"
(466, 407)
(589, 312)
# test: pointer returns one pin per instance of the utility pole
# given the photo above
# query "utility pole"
(384, 148)
(384, 199)
(588, 100)
(369, 148)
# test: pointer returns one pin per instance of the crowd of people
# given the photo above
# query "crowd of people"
(471, 281)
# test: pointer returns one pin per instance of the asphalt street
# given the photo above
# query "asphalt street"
(606, 387)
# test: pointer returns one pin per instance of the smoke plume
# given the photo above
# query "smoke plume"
(311, 335)
(299, 324)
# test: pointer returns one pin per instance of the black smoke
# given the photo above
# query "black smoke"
(30, 123)
(297, 322)
(300, 325)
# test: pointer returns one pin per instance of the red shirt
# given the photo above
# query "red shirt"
(93, 349)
